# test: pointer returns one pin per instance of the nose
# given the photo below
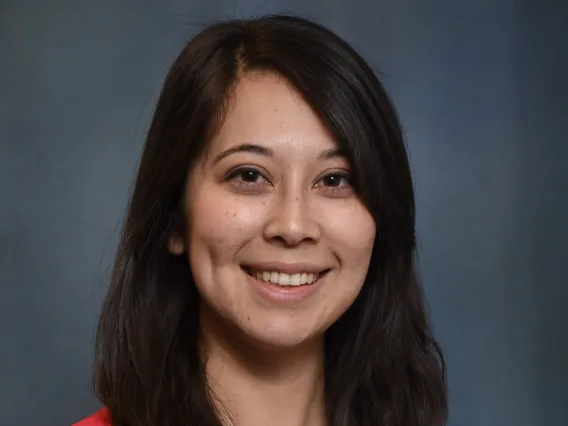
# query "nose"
(291, 222)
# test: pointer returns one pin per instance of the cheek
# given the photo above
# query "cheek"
(221, 224)
(218, 226)
(352, 230)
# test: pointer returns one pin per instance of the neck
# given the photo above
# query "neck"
(258, 386)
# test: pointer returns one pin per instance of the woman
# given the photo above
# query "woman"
(265, 274)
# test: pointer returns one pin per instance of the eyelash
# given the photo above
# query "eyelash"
(235, 174)
(235, 178)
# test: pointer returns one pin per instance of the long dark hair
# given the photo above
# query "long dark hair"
(383, 366)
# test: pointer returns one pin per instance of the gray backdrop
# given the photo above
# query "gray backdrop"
(481, 89)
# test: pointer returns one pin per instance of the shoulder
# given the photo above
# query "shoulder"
(100, 418)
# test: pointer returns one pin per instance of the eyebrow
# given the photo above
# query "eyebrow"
(246, 147)
(267, 152)
(328, 154)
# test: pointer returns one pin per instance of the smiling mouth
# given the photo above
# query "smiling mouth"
(285, 280)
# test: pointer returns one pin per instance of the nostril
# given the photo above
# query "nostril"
(282, 241)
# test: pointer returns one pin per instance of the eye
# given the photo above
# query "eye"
(247, 178)
(335, 184)
(248, 175)
(335, 180)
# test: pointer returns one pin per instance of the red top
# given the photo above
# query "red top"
(100, 418)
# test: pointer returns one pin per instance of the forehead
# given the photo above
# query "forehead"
(266, 109)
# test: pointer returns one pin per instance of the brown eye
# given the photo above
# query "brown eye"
(335, 185)
(249, 175)
(247, 178)
(334, 180)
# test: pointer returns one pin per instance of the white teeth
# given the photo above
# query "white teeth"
(283, 279)
(295, 279)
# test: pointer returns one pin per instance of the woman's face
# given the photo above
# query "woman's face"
(277, 241)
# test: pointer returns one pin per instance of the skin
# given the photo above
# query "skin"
(289, 205)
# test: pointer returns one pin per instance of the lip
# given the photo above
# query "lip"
(287, 268)
(285, 295)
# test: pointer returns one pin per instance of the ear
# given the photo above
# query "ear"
(176, 245)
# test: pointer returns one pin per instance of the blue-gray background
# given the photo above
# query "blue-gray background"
(481, 89)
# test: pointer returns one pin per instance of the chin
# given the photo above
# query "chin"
(267, 331)
(276, 335)
(283, 340)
